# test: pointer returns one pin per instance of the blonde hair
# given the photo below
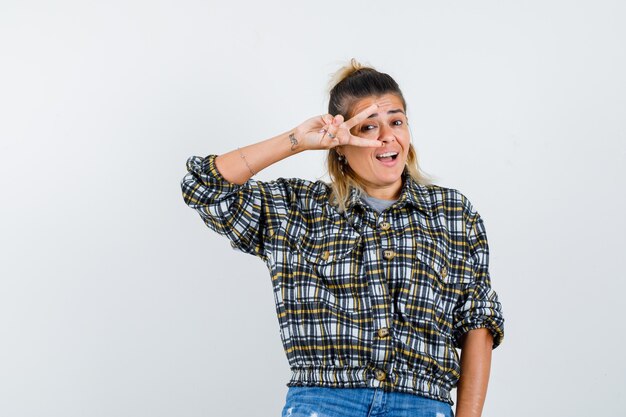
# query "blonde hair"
(348, 85)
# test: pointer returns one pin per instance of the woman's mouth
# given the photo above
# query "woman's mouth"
(387, 156)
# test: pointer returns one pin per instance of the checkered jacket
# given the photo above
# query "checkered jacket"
(364, 299)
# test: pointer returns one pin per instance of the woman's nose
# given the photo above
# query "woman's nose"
(386, 135)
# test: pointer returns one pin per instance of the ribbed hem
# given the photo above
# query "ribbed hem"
(363, 377)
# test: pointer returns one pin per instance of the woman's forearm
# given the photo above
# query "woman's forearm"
(475, 368)
(319, 132)
(239, 165)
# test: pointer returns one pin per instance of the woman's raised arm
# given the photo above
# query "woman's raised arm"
(320, 132)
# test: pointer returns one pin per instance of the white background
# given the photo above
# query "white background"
(116, 300)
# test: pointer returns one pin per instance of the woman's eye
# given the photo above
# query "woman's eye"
(366, 128)
(398, 123)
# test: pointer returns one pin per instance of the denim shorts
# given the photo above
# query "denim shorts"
(360, 402)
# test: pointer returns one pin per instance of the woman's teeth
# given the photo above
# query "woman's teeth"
(387, 155)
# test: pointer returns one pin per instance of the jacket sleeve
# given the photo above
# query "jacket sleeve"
(479, 306)
(248, 214)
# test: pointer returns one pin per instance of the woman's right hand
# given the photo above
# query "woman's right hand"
(321, 132)
(326, 131)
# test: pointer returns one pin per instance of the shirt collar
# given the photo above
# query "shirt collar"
(412, 193)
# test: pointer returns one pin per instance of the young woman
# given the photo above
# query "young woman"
(378, 276)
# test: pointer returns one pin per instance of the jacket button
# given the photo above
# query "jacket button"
(388, 254)
(385, 225)
(325, 255)
(444, 272)
(383, 332)
(380, 375)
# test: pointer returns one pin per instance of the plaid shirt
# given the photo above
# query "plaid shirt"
(364, 299)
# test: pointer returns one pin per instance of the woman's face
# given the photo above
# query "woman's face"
(380, 169)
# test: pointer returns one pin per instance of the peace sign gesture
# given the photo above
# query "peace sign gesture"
(326, 132)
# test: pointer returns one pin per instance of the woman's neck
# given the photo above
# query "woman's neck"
(389, 192)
